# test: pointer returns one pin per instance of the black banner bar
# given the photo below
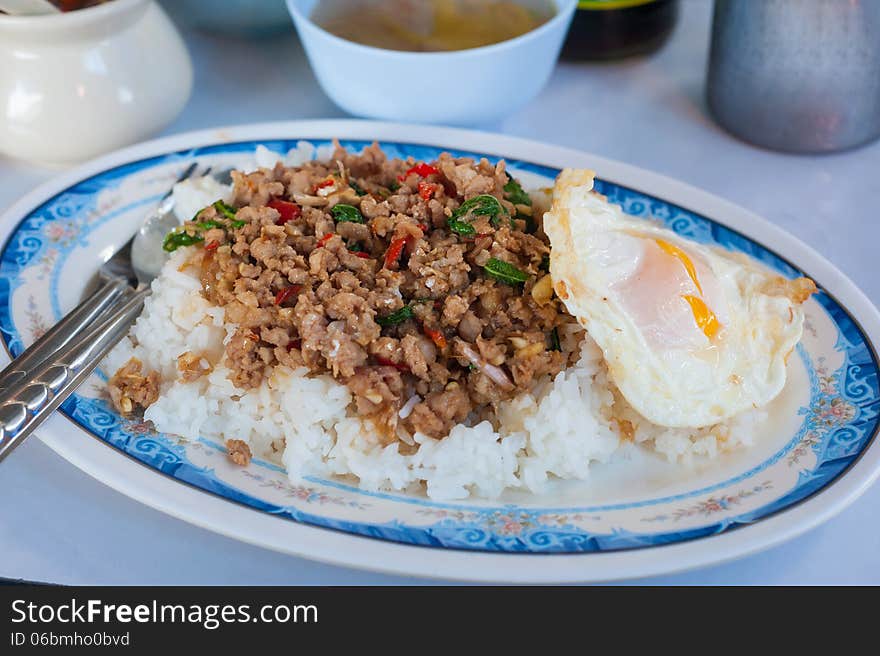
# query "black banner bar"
(157, 618)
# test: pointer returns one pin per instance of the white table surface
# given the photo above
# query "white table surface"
(59, 525)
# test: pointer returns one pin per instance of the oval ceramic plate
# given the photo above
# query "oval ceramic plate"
(632, 518)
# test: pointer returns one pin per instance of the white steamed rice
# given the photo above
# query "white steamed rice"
(303, 421)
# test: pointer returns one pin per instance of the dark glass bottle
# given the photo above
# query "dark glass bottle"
(612, 29)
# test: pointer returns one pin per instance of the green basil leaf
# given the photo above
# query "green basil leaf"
(505, 272)
(461, 228)
(356, 188)
(514, 192)
(399, 316)
(343, 213)
(554, 340)
(482, 205)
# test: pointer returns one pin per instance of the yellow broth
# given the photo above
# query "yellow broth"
(430, 25)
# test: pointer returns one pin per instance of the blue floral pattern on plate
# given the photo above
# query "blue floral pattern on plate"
(828, 431)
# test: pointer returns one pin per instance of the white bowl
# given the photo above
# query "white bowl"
(79, 84)
(459, 88)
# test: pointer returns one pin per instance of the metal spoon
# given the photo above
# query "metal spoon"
(28, 7)
(39, 380)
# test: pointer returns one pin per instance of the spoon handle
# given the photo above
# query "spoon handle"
(62, 333)
(28, 7)
(26, 405)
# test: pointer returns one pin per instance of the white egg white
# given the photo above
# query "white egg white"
(692, 334)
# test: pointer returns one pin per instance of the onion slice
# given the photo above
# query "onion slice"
(407, 408)
(495, 374)
(310, 201)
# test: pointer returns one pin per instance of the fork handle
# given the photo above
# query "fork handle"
(26, 405)
(60, 335)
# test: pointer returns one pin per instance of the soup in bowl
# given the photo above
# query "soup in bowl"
(429, 82)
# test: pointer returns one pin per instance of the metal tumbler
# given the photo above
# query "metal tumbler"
(796, 75)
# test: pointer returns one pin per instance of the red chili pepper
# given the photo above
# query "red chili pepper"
(479, 235)
(427, 190)
(286, 293)
(436, 336)
(212, 245)
(422, 227)
(324, 183)
(385, 362)
(362, 255)
(392, 255)
(323, 240)
(423, 170)
(288, 211)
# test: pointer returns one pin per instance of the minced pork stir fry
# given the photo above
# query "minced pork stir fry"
(421, 286)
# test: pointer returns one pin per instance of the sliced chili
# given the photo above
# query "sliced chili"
(392, 255)
(177, 238)
(208, 225)
(288, 211)
(286, 293)
(427, 190)
(323, 240)
(436, 336)
(325, 183)
(224, 209)
(385, 362)
(423, 170)
(212, 245)
(356, 249)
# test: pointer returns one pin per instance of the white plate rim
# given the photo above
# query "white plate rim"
(205, 510)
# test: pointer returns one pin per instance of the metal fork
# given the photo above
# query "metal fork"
(42, 377)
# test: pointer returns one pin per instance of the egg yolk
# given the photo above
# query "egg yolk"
(682, 257)
(705, 318)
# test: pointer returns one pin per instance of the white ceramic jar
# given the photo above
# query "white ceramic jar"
(78, 84)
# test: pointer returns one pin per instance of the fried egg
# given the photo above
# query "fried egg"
(692, 334)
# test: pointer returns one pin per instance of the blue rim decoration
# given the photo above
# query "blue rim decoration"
(836, 445)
